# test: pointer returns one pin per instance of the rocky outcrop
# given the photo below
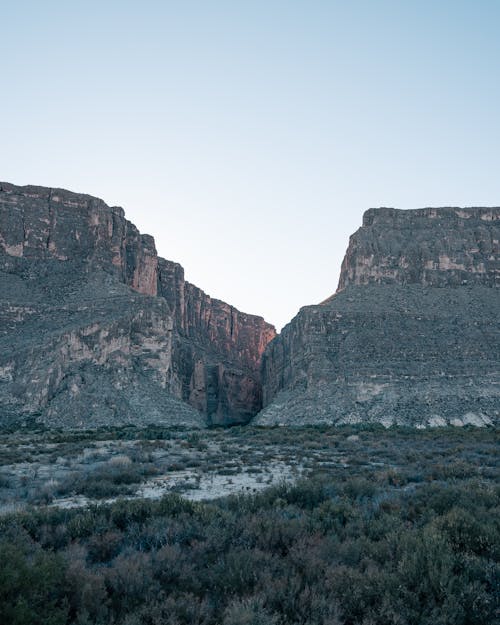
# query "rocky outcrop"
(412, 335)
(96, 329)
(40, 224)
(210, 338)
(442, 247)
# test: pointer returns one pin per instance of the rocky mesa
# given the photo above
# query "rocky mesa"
(96, 329)
(412, 335)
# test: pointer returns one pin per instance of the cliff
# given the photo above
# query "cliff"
(97, 329)
(217, 349)
(442, 247)
(412, 335)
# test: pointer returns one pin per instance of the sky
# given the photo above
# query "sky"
(248, 137)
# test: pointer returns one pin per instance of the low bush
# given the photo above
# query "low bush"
(317, 553)
(400, 528)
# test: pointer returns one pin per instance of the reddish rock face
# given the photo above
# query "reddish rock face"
(73, 249)
(37, 223)
(218, 350)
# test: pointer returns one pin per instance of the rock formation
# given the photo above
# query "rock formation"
(96, 329)
(412, 335)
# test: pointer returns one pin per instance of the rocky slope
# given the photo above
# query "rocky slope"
(97, 329)
(412, 335)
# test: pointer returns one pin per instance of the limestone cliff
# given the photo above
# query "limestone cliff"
(41, 224)
(97, 329)
(210, 338)
(444, 247)
(412, 335)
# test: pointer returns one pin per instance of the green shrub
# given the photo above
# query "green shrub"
(31, 586)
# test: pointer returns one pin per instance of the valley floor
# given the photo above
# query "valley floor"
(76, 469)
(322, 526)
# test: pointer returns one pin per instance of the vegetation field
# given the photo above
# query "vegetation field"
(250, 526)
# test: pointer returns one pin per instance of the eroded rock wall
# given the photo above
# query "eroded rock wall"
(412, 335)
(218, 350)
(443, 247)
(97, 329)
(39, 224)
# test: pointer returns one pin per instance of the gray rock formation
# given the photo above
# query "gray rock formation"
(96, 329)
(412, 335)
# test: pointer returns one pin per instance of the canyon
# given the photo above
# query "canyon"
(97, 330)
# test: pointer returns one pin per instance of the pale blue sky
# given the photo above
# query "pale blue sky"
(248, 137)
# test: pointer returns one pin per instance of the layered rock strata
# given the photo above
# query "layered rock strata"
(412, 335)
(97, 329)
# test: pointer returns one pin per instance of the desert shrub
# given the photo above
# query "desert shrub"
(357, 545)
(248, 612)
(359, 488)
(103, 547)
(118, 476)
(467, 533)
(129, 579)
(173, 609)
(85, 590)
(31, 585)
(174, 505)
(124, 513)
(5, 481)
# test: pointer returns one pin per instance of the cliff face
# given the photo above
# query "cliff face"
(41, 224)
(442, 247)
(218, 350)
(412, 335)
(97, 329)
